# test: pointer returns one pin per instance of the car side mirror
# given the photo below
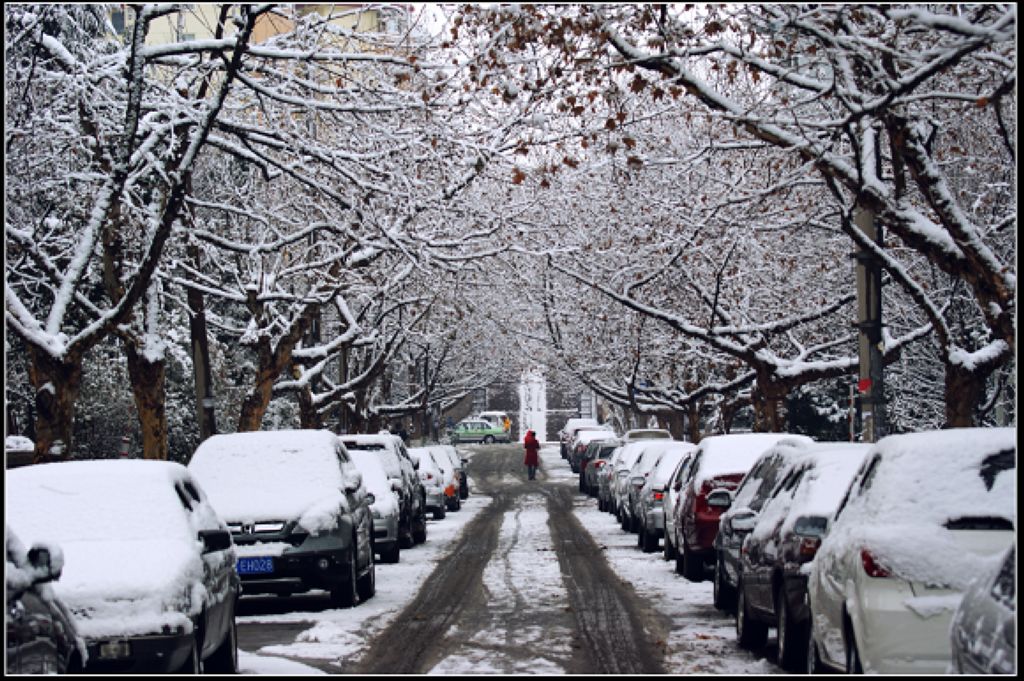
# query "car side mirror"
(215, 540)
(638, 480)
(353, 481)
(678, 485)
(743, 522)
(416, 465)
(47, 562)
(720, 498)
(396, 484)
(464, 461)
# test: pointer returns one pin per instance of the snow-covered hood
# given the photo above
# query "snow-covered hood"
(131, 587)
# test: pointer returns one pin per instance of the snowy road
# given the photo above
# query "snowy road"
(528, 578)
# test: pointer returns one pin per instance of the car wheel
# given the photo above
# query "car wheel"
(813, 661)
(366, 586)
(650, 541)
(693, 567)
(192, 665)
(489, 440)
(853, 663)
(440, 513)
(344, 594)
(669, 552)
(623, 521)
(419, 530)
(600, 503)
(391, 554)
(224, 660)
(724, 594)
(791, 646)
(750, 634)
(405, 539)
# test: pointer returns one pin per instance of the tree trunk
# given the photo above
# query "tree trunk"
(57, 383)
(272, 361)
(693, 422)
(677, 425)
(309, 416)
(205, 413)
(148, 380)
(767, 399)
(965, 391)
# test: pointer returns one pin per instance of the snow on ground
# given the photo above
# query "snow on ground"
(704, 639)
(522, 577)
(343, 633)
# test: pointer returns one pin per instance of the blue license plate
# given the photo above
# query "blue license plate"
(262, 565)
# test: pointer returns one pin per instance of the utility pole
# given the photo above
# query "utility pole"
(869, 324)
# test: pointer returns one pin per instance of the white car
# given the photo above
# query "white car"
(651, 497)
(384, 495)
(432, 479)
(446, 458)
(148, 565)
(926, 513)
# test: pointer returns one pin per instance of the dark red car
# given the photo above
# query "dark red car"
(720, 462)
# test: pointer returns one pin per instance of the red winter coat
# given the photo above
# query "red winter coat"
(531, 445)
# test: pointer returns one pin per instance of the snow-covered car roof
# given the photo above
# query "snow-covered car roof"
(734, 453)
(375, 479)
(673, 451)
(589, 435)
(915, 486)
(834, 464)
(576, 423)
(130, 549)
(281, 475)
(646, 434)
(386, 439)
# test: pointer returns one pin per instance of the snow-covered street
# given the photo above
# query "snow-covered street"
(523, 583)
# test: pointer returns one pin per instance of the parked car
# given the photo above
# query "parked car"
(412, 526)
(297, 509)
(384, 495)
(772, 588)
(672, 489)
(461, 465)
(148, 565)
(720, 462)
(926, 514)
(478, 430)
(432, 479)
(18, 451)
(620, 477)
(596, 456)
(41, 635)
(605, 475)
(646, 434)
(580, 441)
(740, 509)
(635, 480)
(495, 417)
(445, 458)
(984, 628)
(569, 429)
(650, 499)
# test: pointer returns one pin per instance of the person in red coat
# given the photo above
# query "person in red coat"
(531, 445)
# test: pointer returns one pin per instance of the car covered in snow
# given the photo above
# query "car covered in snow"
(646, 434)
(383, 495)
(926, 514)
(412, 524)
(582, 439)
(650, 511)
(450, 465)
(597, 455)
(433, 481)
(772, 589)
(567, 432)
(41, 636)
(720, 462)
(297, 509)
(740, 509)
(148, 565)
(984, 628)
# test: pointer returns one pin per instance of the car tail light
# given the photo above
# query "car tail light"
(599, 463)
(871, 566)
(808, 547)
(658, 496)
